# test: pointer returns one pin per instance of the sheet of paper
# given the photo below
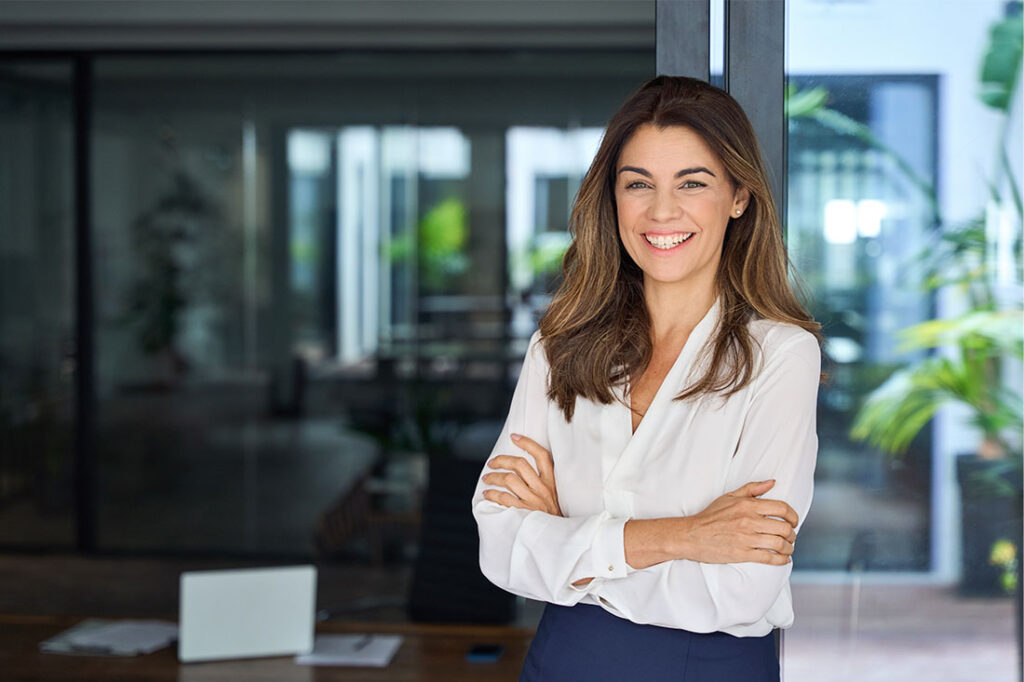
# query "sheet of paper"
(374, 651)
(113, 638)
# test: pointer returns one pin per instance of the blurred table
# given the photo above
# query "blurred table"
(429, 653)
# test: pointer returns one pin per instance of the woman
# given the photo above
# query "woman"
(659, 451)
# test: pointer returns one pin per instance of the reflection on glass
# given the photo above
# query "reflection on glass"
(36, 304)
(379, 236)
(204, 339)
(856, 218)
(899, 157)
(299, 296)
(545, 167)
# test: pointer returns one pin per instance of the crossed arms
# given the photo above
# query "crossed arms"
(723, 568)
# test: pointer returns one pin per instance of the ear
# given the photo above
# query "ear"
(740, 200)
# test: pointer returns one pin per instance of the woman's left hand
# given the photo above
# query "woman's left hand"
(525, 487)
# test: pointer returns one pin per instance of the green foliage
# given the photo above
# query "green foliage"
(443, 229)
(898, 409)
(894, 412)
(440, 244)
(1001, 63)
(957, 258)
(804, 103)
(546, 258)
(1004, 555)
(443, 232)
(977, 331)
(962, 357)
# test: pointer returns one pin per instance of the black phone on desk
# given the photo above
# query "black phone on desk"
(484, 653)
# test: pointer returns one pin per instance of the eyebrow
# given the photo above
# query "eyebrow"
(685, 171)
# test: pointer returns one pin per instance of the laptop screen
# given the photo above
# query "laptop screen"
(247, 613)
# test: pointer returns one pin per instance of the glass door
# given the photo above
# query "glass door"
(903, 218)
(37, 304)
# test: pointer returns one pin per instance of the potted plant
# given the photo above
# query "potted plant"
(165, 240)
(438, 246)
(968, 373)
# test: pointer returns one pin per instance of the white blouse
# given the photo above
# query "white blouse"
(683, 455)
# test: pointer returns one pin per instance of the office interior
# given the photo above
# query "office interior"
(268, 269)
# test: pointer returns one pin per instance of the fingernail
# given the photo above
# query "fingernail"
(515, 437)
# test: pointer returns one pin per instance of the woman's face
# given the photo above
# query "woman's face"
(674, 201)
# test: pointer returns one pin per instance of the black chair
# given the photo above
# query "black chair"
(447, 585)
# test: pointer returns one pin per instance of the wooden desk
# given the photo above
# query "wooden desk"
(429, 653)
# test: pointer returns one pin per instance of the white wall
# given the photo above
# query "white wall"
(943, 37)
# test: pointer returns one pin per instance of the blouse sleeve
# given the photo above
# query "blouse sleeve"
(531, 553)
(778, 440)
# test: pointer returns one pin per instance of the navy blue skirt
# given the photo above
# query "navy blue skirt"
(585, 642)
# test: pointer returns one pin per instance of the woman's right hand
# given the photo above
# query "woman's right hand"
(737, 527)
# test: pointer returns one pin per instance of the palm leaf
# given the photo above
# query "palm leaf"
(801, 103)
(986, 332)
(897, 410)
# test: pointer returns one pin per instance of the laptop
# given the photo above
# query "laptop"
(246, 613)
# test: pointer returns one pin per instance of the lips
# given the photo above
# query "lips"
(665, 242)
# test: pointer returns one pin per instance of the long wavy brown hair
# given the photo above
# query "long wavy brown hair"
(597, 329)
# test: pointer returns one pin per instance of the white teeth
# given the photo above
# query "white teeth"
(667, 241)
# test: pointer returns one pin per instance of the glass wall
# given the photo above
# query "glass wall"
(309, 268)
(858, 215)
(313, 271)
(545, 168)
(904, 220)
(37, 289)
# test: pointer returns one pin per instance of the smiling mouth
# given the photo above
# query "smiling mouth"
(667, 241)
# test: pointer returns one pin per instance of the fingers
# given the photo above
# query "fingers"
(766, 526)
(766, 557)
(782, 529)
(504, 499)
(515, 485)
(779, 509)
(777, 528)
(764, 530)
(738, 528)
(545, 464)
(773, 543)
(520, 466)
(753, 489)
(776, 508)
(524, 483)
(767, 549)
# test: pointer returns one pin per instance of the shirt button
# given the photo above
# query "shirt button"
(611, 568)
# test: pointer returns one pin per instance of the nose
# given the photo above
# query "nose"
(664, 206)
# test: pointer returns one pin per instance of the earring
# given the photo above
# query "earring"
(738, 212)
